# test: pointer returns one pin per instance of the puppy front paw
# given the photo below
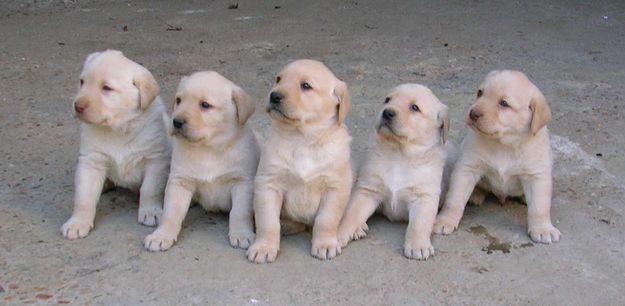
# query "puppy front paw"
(325, 248)
(444, 225)
(241, 239)
(160, 240)
(347, 235)
(262, 252)
(76, 228)
(418, 249)
(150, 215)
(546, 233)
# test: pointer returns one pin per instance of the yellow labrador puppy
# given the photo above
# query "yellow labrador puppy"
(122, 138)
(404, 171)
(507, 153)
(214, 158)
(304, 175)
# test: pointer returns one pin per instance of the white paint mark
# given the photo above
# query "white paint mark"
(248, 17)
(190, 12)
(573, 151)
(254, 301)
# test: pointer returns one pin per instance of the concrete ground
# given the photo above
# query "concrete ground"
(573, 50)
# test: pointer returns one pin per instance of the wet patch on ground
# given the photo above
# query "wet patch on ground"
(494, 244)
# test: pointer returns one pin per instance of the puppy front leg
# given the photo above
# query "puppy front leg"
(538, 191)
(151, 192)
(267, 206)
(178, 195)
(325, 243)
(89, 179)
(241, 224)
(463, 181)
(422, 211)
(360, 208)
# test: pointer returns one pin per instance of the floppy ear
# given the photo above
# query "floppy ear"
(243, 103)
(443, 121)
(342, 95)
(541, 112)
(148, 88)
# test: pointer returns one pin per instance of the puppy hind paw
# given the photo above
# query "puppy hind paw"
(241, 240)
(325, 248)
(75, 228)
(150, 216)
(345, 236)
(478, 197)
(546, 234)
(444, 226)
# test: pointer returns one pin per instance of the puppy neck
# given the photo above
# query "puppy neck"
(218, 145)
(132, 124)
(513, 142)
(310, 132)
(405, 146)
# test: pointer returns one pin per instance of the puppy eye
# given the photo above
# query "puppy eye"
(205, 105)
(278, 80)
(479, 93)
(82, 82)
(414, 108)
(504, 103)
(106, 88)
(178, 101)
(387, 99)
(306, 86)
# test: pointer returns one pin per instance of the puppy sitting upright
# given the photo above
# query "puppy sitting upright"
(507, 152)
(214, 158)
(122, 138)
(304, 175)
(404, 171)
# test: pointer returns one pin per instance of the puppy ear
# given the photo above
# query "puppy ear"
(443, 121)
(148, 88)
(541, 112)
(342, 95)
(243, 103)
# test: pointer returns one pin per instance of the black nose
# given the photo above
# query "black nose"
(388, 114)
(275, 97)
(474, 115)
(178, 123)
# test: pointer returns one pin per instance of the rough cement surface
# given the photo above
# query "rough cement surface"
(573, 51)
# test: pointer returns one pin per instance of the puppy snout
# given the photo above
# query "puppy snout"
(80, 106)
(474, 115)
(388, 114)
(179, 123)
(275, 98)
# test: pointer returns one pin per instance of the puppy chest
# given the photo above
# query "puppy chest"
(127, 171)
(502, 183)
(301, 200)
(214, 196)
(394, 207)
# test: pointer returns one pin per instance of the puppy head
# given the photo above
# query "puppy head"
(508, 106)
(113, 89)
(208, 106)
(306, 93)
(413, 114)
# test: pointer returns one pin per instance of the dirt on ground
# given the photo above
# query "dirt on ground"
(573, 50)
